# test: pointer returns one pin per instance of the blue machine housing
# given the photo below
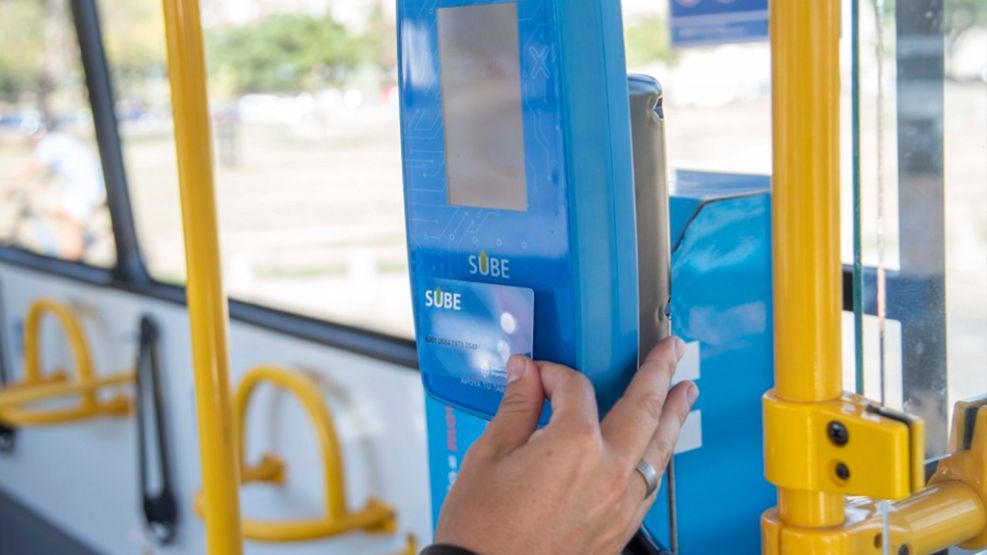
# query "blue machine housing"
(575, 244)
(721, 283)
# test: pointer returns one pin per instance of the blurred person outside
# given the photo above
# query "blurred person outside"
(61, 194)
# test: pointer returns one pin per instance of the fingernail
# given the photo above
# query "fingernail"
(515, 368)
(679, 348)
(693, 393)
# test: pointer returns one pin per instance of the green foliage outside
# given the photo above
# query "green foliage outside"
(279, 53)
(39, 54)
(295, 52)
(648, 40)
(21, 49)
(133, 32)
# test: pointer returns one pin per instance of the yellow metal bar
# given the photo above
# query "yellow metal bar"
(805, 79)
(968, 463)
(805, 213)
(375, 517)
(369, 519)
(19, 396)
(410, 545)
(115, 407)
(73, 333)
(36, 387)
(932, 520)
(325, 429)
(206, 298)
(938, 517)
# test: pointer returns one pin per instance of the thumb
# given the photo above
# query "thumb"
(517, 417)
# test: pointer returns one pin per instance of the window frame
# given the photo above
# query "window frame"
(130, 272)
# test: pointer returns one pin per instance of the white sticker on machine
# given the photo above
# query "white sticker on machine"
(691, 436)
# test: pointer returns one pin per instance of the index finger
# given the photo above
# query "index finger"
(631, 423)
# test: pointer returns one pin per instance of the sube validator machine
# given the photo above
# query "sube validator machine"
(538, 218)
(519, 193)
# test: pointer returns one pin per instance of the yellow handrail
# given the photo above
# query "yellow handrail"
(805, 38)
(36, 387)
(206, 299)
(376, 516)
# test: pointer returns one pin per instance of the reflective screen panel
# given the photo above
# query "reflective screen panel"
(481, 104)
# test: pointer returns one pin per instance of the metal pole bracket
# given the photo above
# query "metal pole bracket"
(848, 446)
(951, 510)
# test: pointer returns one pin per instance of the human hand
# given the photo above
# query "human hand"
(571, 487)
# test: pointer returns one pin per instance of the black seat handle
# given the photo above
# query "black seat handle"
(160, 507)
(8, 433)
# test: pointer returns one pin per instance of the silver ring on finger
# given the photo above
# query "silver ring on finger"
(650, 476)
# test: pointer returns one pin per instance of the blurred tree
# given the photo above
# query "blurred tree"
(134, 34)
(22, 47)
(648, 41)
(39, 58)
(282, 53)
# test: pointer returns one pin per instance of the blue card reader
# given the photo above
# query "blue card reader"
(519, 192)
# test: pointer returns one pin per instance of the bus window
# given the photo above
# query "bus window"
(52, 194)
(306, 148)
(717, 98)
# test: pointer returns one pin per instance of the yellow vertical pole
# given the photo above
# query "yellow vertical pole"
(805, 211)
(206, 298)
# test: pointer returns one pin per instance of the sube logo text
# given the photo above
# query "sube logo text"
(489, 266)
(443, 300)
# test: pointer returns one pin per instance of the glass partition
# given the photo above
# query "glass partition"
(916, 187)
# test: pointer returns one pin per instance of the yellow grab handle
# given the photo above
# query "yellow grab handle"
(376, 516)
(73, 332)
(35, 387)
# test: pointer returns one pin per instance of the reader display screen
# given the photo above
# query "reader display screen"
(481, 105)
